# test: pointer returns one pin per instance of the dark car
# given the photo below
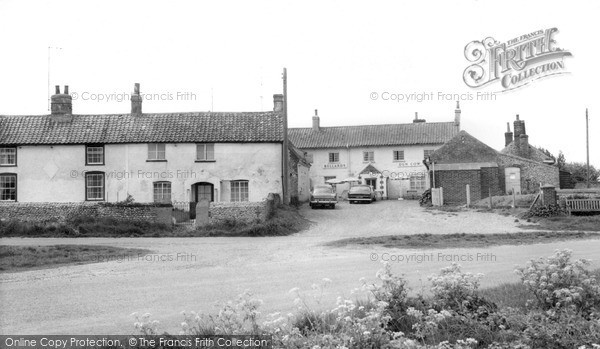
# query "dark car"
(323, 196)
(361, 193)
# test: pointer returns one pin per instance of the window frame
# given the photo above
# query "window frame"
(15, 189)
(156, 152)
(422, 178)
(398, 159)
(235, 193)
(425, 154)
(15, 154)
(85, 183)
(87, 163)
(368, 156)
(334, 154)
(205, 152)
(163, 200)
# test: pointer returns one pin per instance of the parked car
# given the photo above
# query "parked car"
(361, 193)
(324, 196)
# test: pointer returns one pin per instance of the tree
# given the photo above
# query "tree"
(578, 171)
(561, 161)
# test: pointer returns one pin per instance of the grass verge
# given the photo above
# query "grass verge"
(464, 240)
(21, 258)
(569, 223)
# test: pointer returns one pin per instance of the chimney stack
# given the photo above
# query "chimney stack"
(519, 127)
(519, 130)
(316, 124)
(457, 114)
(61, 103)
(508, 136)
(136, 100)
(523, 146)
(417, 120)
(278, 103)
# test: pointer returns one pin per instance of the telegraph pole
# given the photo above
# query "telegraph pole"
(587, 146)
(286, 153)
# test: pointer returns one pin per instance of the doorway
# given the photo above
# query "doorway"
(200, 191)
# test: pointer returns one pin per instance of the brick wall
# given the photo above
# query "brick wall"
(454, 182)
(62, 212)
(490, 182)
(532, 173)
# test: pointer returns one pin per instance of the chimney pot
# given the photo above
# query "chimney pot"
(56, 90)
(66, 90)
(457, 114)
(508, 136)
(136, 100)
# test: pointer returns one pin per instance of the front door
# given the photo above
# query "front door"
(201, 191)
(204, 191)
(372, 182)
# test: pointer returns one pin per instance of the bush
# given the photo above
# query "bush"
(557, 283)
(455, 317)
(426, 198)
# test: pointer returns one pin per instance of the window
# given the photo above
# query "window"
(239, 190)
(368, 156)
(162, 192)
(94, 186)
(94, 155)
(418, 182)
(156, 151)
(398, 155)
(205, 152)
(8, 187)
(8, 156)
(427, 153)
(334, 157)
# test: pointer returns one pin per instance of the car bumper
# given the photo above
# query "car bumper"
(359, 199)
(323, 202)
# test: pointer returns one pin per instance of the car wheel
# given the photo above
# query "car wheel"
(333, 207)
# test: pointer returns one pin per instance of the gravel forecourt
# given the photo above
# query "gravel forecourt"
(195, 273)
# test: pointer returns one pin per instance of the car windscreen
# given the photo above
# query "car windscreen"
(322, 191)
(361, 190)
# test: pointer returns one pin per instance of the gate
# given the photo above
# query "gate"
(181, 212)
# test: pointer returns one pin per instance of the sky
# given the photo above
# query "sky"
(344, 58)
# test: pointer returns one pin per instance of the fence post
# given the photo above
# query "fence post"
(490, 195)
(441, 196)
(514, 198)
(468, 188)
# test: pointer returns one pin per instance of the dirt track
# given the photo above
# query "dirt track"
(98, 298)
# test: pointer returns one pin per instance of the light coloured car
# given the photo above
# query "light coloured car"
(323, 196)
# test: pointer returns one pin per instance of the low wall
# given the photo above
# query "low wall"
(244, 211)
(62, 212)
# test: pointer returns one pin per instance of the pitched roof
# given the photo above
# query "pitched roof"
(534, 153)
(146, 128)
(373, 135)
(464, 148)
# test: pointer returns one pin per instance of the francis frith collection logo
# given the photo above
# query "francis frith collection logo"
(514, 63)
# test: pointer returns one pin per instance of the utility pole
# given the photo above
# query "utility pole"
(286, 154)
(587, 146)
(49, 53)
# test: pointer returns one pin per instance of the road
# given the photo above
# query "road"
(195, 273)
